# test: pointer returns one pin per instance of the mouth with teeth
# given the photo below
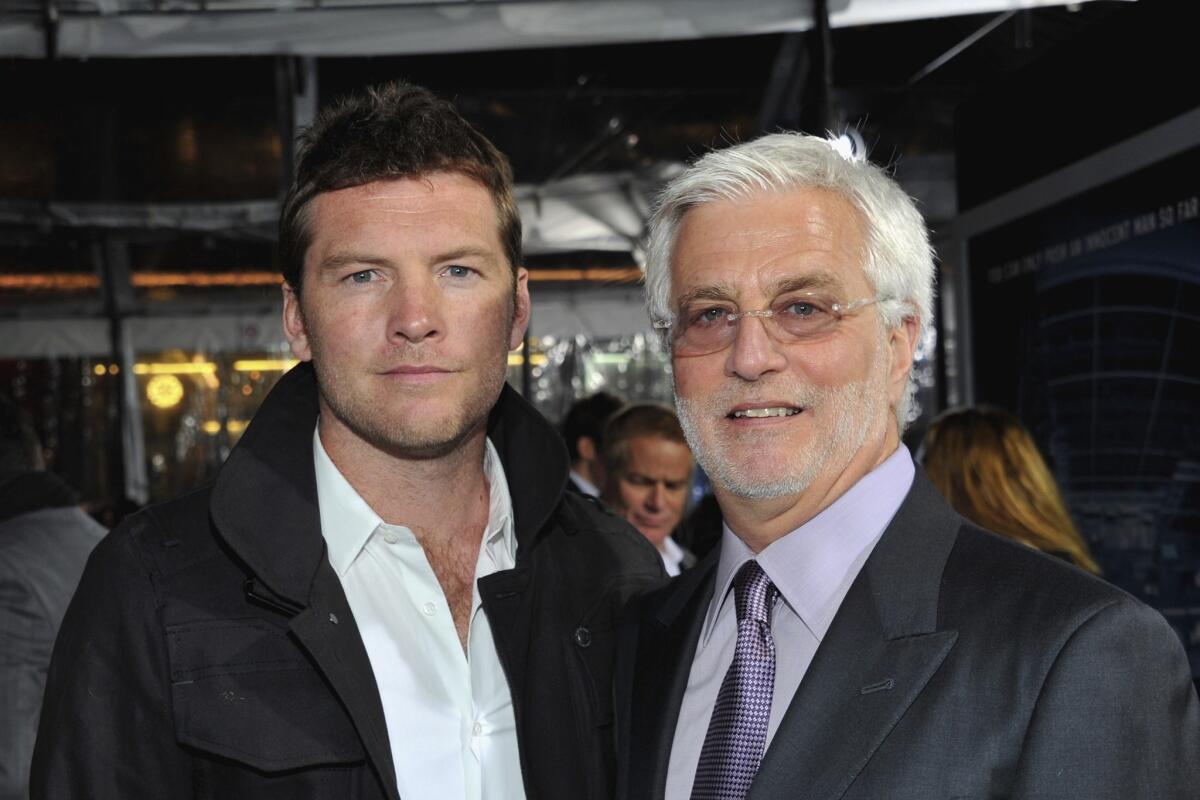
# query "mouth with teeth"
(761, 413)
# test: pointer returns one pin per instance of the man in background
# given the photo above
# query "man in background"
(388, 591)
(853, 637)
(583, 431)
(649, 468)
(45, 539)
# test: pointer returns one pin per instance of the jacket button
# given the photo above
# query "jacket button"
(583, 637)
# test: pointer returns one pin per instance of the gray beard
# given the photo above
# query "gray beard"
(855, 404)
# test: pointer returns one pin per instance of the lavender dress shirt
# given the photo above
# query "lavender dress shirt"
(812, 567)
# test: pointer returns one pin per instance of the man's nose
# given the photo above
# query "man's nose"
(754, 351)
(656, 497)
(415, 311)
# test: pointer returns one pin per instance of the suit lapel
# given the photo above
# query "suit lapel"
(877, 657)
(328, 631)
(667, 635)
(859, 685)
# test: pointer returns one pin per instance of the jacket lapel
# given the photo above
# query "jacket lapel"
(879, 654)
(265, 508)
(327, 630)
(670, 623)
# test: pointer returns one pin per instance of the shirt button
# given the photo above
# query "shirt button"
(390, 538)
(477, 729)
(429, 609)
(583, 637)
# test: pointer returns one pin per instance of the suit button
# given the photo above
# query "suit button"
(583, 637)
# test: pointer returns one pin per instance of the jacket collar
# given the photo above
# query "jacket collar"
(264, 501)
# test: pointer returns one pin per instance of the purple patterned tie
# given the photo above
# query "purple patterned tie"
(737, 733)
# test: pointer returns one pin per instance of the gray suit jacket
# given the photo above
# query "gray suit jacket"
(960, 665)
(42, 554)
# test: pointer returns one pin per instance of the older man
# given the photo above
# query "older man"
(649, 470)
(387, 593)
(853, 637)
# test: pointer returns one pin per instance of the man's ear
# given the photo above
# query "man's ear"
(520, 310)
(902, 342)
(293, 324)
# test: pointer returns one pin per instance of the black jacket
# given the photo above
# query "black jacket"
(210, 651)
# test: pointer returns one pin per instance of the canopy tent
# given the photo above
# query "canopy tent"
(156, 28)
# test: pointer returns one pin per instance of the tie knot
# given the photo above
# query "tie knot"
(753, 593)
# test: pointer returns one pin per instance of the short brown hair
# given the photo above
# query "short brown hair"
(639, 419)
(395, 130)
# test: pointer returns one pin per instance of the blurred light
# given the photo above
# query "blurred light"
(161, 368)
(99, 369)
(620, 359)
(211, 427)
(114, 369)
(516, 359)
(236, 426)
(265, 364)
(164, 391)
(247, 390)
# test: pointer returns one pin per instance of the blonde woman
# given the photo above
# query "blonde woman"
(985, 463)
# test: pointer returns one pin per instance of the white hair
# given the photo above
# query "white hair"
(899, 261)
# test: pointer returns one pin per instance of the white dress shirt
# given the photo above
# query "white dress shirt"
(812, 567)
(584, 485)
(449, 714)
(672, 556)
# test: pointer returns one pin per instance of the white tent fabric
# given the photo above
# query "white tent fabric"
(601, 211)
(299, 27)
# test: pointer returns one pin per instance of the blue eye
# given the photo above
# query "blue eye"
(802, 309)
(456, 271)
(707, 316)
(362, 276)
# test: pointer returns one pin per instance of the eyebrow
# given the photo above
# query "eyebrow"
(339, 260)
(464, 252)
(814, 280)
(819, 279)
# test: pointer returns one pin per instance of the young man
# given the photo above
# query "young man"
(853, 637)
(387, 592)
(649, 468)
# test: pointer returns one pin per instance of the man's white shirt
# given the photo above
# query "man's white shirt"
(672, 557)
(449, 714)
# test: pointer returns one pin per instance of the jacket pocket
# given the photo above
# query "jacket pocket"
(244, 691)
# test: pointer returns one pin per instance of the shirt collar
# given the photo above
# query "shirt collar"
(672, 556)
(347, 522)
(814, 565)
(585, 486)
(500, 538)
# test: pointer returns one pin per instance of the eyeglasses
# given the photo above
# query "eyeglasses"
(706, 326)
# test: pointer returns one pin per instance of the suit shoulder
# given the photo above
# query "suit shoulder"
(593, 528)
(166, 536)
(994, 579)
